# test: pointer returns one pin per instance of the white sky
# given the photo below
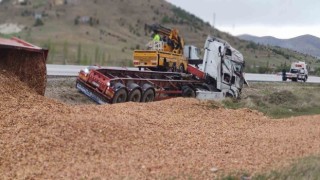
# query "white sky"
(278, 18)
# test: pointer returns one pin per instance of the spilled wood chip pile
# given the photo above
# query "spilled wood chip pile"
(44, 139)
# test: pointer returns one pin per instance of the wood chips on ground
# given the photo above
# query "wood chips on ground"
(42, 138)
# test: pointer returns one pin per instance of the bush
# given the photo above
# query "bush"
(165, 20)
(252, 45)
(281, 97)
(38, 22)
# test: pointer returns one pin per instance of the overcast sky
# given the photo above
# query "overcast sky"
(278, 18)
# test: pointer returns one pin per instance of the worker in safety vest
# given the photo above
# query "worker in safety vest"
(156, 36)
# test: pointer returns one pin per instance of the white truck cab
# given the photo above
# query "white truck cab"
(223, 66)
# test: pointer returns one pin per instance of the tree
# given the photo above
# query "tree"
(38, 22)
(79, 53)
(65, 52)
(103, 58)
(96, 55)
(85, 60)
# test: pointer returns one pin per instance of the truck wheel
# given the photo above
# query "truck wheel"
(229, 95)
(188, 92)
(120, 96)
(305, 78)
(135, 96)
(148, 96)
(208, 87)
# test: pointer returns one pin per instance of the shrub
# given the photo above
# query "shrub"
(38, 22)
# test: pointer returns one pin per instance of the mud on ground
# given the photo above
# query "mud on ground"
(63, 89)
(181, 138)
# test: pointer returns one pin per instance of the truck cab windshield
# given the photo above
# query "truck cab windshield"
(294, 70)
(237, 67)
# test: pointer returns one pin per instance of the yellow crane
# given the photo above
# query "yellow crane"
(163, 55)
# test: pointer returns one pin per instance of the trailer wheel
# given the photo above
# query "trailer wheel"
(188, 92)
(148, 96)
(120, 96)
(135, 96)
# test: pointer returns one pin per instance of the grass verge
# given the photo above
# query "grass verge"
(303, 169)
(279, 100)
(306, 168)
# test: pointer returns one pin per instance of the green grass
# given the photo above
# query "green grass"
(8, 36)
(279, 100)
(274, 111)
(307, 168)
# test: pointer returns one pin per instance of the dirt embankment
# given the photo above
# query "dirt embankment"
(43, 138)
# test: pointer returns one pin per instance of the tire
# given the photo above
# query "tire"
(208, 87)
(229, 95)
(148, 96)
(181, 68)
(305, 79)
(135, 96)
(188, 92)
(120, 96)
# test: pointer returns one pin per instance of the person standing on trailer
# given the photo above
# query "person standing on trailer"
(156, 36)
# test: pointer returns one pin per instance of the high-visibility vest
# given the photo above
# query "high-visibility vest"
(156, 37)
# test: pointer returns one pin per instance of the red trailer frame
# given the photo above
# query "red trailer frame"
(103, 85)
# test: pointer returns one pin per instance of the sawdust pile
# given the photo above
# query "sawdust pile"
(42, 138)
(29, 66)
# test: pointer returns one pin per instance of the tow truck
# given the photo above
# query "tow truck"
(219, 75)
(168, 54)
(298, 71)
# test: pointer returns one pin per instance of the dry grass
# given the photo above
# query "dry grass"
(280, 99)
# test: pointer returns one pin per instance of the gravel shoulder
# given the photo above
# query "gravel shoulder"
(63, 89)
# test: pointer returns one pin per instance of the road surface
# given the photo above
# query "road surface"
(73, 70)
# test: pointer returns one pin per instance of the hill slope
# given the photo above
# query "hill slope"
(107, 32)
(305, 44)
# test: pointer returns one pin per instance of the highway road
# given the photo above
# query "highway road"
(72, 70)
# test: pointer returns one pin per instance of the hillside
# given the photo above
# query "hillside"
(304, 44)
(107, 32)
